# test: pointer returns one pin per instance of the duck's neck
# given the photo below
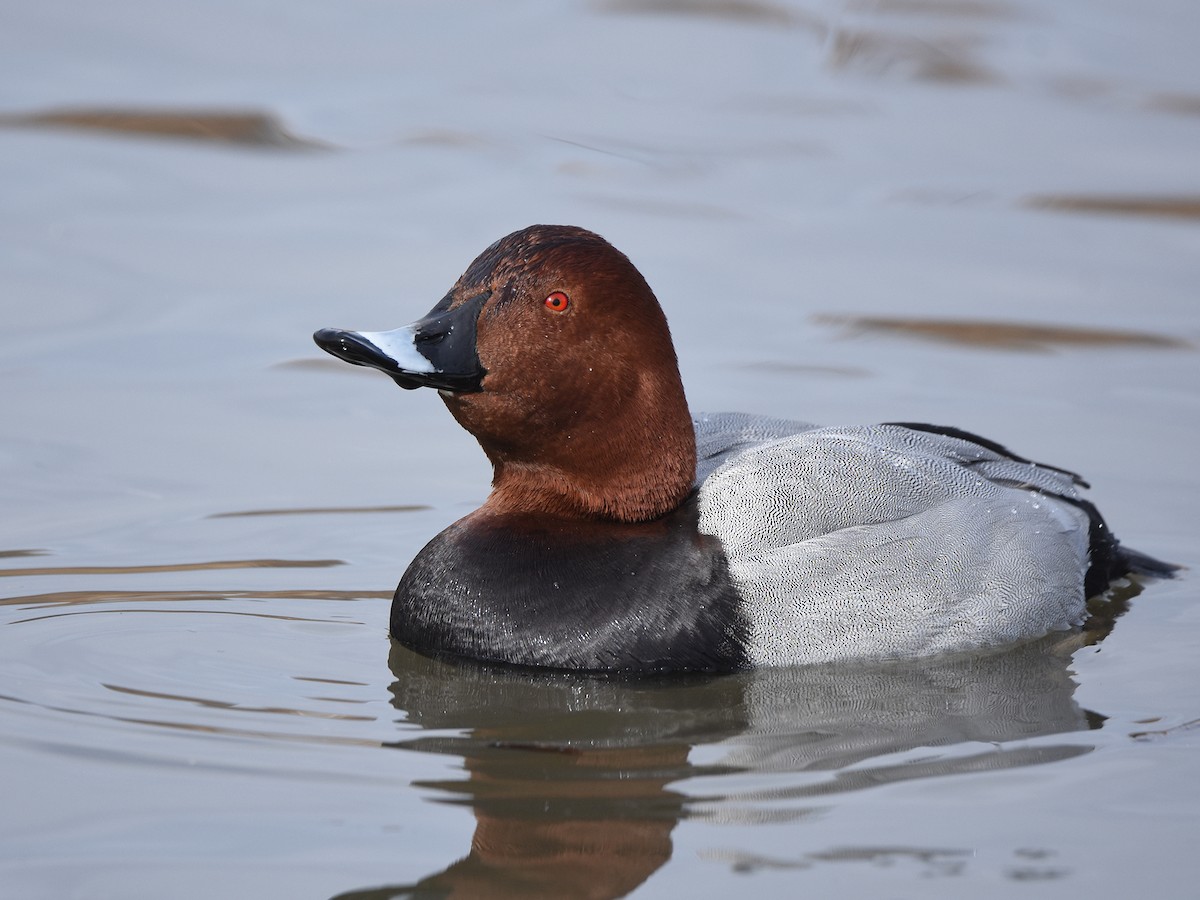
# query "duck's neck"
(638, 467)
(617, 496)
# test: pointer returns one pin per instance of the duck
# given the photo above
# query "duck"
(622, 534)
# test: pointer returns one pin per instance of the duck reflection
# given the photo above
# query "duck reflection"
(576, 782)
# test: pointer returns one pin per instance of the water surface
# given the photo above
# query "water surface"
(977, 213)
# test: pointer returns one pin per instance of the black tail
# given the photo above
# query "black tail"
(1109, 560)
(1141, 564)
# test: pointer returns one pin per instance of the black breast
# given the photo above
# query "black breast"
(544, 591)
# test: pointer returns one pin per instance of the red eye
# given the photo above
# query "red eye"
(558, 302)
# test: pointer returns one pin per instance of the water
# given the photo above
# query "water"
(983, 214)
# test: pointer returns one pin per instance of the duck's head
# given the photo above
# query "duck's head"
(552, 350)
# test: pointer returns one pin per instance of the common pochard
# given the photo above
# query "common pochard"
(623, 534)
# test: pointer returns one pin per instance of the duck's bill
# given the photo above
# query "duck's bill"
(437, 351)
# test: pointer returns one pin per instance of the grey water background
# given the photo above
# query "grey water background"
(978, 212)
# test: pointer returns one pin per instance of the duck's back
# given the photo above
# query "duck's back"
(888, 540)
